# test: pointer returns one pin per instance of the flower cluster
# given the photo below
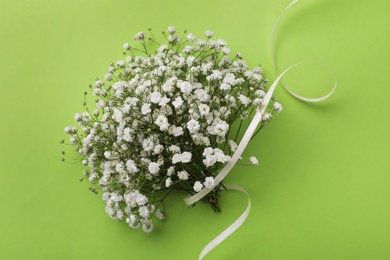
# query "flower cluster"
(164, 121)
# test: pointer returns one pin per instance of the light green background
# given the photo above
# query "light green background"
(322, 190)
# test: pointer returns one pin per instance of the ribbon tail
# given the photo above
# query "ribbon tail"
(274, 62)
(233, 227)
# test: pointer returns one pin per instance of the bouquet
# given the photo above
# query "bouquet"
(168, 117)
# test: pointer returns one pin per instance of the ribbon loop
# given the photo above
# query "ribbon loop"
(273, 53)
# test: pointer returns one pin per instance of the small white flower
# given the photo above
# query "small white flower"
(164, 101)
(171, 171)
(77, 117)
(221, 128)
(162, 122)
(176, 131)
(185, 87)
(208, 151)
(225, 86)
(222, 42)
(160, 214)
(198, 186)
(168, 182)
(232, 145)
(141, 199)
(145, 109)
(174, 149)
(171, 29)
(183, 158)
(148, 144)
(183, 175)
(266, 117)
(155, 97)
(127, 135)
(101, 103)
(204, 109)
(209, 182)
(68, 129)
(147, 227)
(193, 126)
(144, 211)
(139, 36)
(260, 93)
(225, 50)
(278, 107)
(131, 167)
(244, 100)
(154, 167)
(191, 37)
(253, 160)
(126, 46)
(178, 102)
(158, 149)
(201, 95)
(257, 101)
(209, 34)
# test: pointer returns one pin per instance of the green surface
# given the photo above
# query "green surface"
(321, 192)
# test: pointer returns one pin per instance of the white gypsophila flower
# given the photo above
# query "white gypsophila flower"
(182, 175)
(127, 135)
(155, 97)
(204, 109)
(154, 167)
(158, 149)
(171, 171)
(147, 226)
(221, 128)
(277, 107)
(184, 157)
(126, 46)
(178, 102)
(139, 36)
(148, 144)
(209, 182)
(131, 167)
(185, 87)
(168, 182)
(202, 95)
(193, 126)
(266, 117)
(208, 34)
(160, 214)
(144, 211)
(225, 86)
(191, 37)
(171, 30)
(232, 145)
(176, 131)
(257, 101)
(162, 122)
(244, 100)
(260, 93)
(174, 149)
(198, 186)
(253, 160)
(145, 109)
(225, 50)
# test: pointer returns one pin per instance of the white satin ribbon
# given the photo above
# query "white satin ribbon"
(273, 44)
(244, 142)
(233, 227)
